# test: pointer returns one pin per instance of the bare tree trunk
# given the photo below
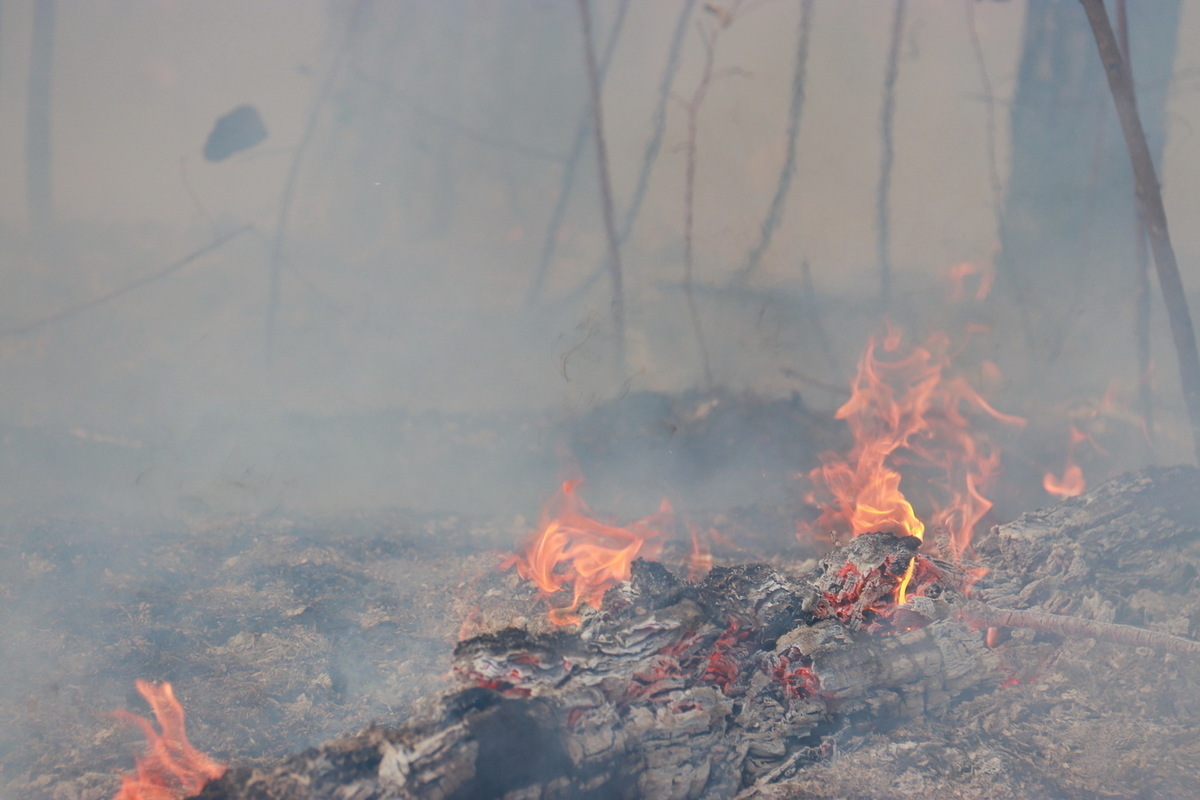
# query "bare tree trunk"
(1065, 233)
(1150, 201)
(38, 133)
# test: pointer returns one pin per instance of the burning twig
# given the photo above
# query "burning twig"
(610, 224)
(1150, 202)
(983, 615)
(882, 220)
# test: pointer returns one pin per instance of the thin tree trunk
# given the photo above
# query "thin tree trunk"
(38, 176)
(787, 173)
(1141, 323)
(550, 244)
(887, 154)
(1150, 201)
(610, 222)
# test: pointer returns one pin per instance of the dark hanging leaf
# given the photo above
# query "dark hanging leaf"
(238, 130)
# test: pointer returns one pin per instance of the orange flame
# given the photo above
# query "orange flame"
(958, 275)
(171, 768)
(903, 412)
(573, 549)
(1072, 482)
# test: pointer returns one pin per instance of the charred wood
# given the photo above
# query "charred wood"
(674, 690)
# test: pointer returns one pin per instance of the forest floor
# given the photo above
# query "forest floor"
(278, 633)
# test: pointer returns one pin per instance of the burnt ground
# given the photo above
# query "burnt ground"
(280, 632)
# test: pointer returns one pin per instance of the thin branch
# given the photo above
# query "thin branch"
(289, 187)
(584, 129)
(610, 223)
(67, 313)
(653, 146)
(788, 172)
(709, 41)
(887, 155)
(983, 615)
(1150, 202)
(990, 119)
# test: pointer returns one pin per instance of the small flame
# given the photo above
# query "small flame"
(171, 768)
(958, 275)
(902, 411)
(700, 559)
(573, 549)
(1072, 483)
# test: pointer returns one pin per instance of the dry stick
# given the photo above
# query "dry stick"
(653, 147)
(1151, 204)
(289, 187)
(67, 313)
(775, 212)
(1141, 323)
(882, 220)
(983, 615)
(610, 222)
(550, 244)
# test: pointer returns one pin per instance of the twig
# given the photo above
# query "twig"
(550, 244)
(1141, 323)
(787, 173)
(887, 155)
(653, 147)
(67, 313)
(610, 223)
(289, 187)
(1151, 204)
(709, 40)
(984, 615)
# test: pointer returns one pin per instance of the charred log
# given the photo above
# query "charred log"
(673, 690)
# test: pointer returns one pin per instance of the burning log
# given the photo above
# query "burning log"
(672, 690)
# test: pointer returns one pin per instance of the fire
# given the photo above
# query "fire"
(573, 549)
(904, 411)
(1072, 482)
(171, 768)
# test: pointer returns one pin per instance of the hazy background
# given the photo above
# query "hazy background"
(428, 141)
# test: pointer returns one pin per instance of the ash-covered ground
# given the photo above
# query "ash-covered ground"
(280, 632)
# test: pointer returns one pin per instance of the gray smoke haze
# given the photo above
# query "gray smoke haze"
(398, 329)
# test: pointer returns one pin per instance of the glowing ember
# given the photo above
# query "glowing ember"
(171, 768)
(1072, 483)
(572, 549)
(903, 411)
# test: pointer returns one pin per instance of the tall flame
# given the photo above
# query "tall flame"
(903, 411)
(573, 549)
(171, 768)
